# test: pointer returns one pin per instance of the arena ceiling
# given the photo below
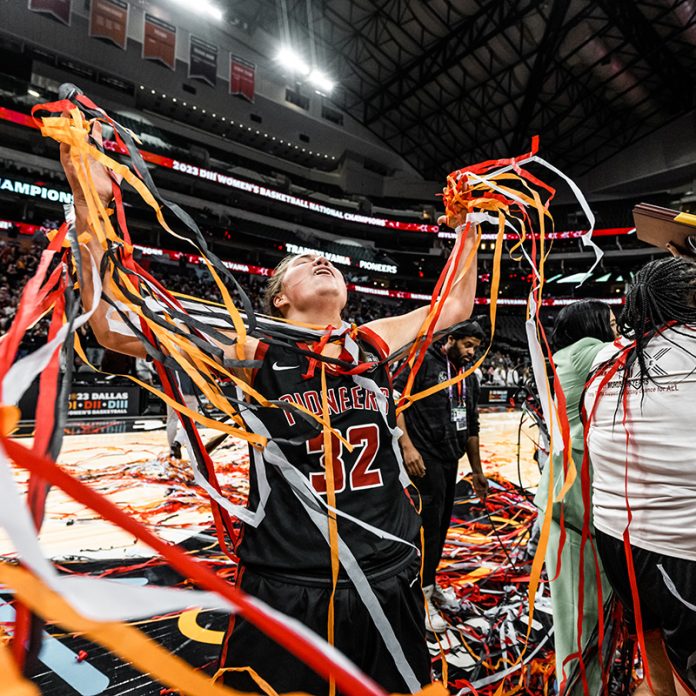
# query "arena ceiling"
(450, 82)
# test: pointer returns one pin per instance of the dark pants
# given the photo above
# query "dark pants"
(660, 608)
(356, 637)
(437, 495)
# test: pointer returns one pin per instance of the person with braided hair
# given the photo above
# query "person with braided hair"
(641, 409)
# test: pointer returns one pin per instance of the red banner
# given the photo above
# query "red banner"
(59, 9)
(159, 41)
(242, 77)
(108, 19)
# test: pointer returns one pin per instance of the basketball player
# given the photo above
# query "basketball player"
(285, 557)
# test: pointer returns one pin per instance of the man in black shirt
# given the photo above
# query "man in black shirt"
(437, 431)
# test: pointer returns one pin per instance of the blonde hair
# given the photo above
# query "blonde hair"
(275, 286)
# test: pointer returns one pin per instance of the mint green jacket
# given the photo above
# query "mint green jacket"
(573, 366)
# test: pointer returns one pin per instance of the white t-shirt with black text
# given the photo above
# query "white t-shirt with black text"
(655, 469)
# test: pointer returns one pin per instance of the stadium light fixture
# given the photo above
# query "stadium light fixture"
(292, 61)
(33, 93)
(202, 7)
(321, 82)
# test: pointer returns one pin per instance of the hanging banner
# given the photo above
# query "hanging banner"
(108, 19)
(202, 61)
(59, 9)
(35, 190)
(242, 77)
(159, 41)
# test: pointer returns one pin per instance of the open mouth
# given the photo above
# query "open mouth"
(323, 271)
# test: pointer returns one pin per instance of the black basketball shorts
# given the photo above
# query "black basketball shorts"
(660, 608)
(307, 601)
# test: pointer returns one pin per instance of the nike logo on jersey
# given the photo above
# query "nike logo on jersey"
(280, 368)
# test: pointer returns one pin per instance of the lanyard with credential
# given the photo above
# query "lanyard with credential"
(461, 387)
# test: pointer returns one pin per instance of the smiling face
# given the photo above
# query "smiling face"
(309, 285)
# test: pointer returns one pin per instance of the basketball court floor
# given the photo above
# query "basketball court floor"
(485, 567)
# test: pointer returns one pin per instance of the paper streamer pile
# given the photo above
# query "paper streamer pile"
(185, 337)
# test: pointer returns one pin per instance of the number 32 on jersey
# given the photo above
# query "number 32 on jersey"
(365, 439)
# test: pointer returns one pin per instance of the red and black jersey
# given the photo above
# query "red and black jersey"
(366, 480)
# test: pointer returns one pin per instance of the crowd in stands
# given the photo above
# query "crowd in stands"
(17, 264)
(505, 368)
(19, 260)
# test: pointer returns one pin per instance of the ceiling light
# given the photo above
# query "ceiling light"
(33, 93)
(292, 61)
(202, 6)
(322, 83)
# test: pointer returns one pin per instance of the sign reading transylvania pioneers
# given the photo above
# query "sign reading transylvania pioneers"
(159, 41)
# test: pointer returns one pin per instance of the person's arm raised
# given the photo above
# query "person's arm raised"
(399, 331)
(92, 252)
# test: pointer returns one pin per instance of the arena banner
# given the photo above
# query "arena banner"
(58, 9)
(159, 41)
(99, 400)
(90, 400)
(203, 58)
(35, 190)
(248, 269)
(493, 395)
(108, 19)
(242, 77)
(566, 234)
(216, 177)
